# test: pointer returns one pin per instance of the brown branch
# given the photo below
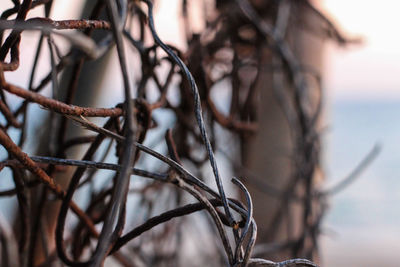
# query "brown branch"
(229, 122)
(29, 164)
(9, 115)
(34, 23)
(58, 106)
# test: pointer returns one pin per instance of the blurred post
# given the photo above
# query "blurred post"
(87, 77)
(270, 154)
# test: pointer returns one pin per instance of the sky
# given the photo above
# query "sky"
(366, 71)
(370, 70)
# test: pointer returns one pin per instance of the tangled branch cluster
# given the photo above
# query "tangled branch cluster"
(216, 55)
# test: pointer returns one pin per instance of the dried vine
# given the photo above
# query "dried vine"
(101, 231)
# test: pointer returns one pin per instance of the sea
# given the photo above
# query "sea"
(362, 225)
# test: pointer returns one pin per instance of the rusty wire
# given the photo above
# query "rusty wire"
(100, 231)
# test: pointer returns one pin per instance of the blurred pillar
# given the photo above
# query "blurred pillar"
(88, 76)
(269, 155)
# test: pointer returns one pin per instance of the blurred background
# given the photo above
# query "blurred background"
(362, 85)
